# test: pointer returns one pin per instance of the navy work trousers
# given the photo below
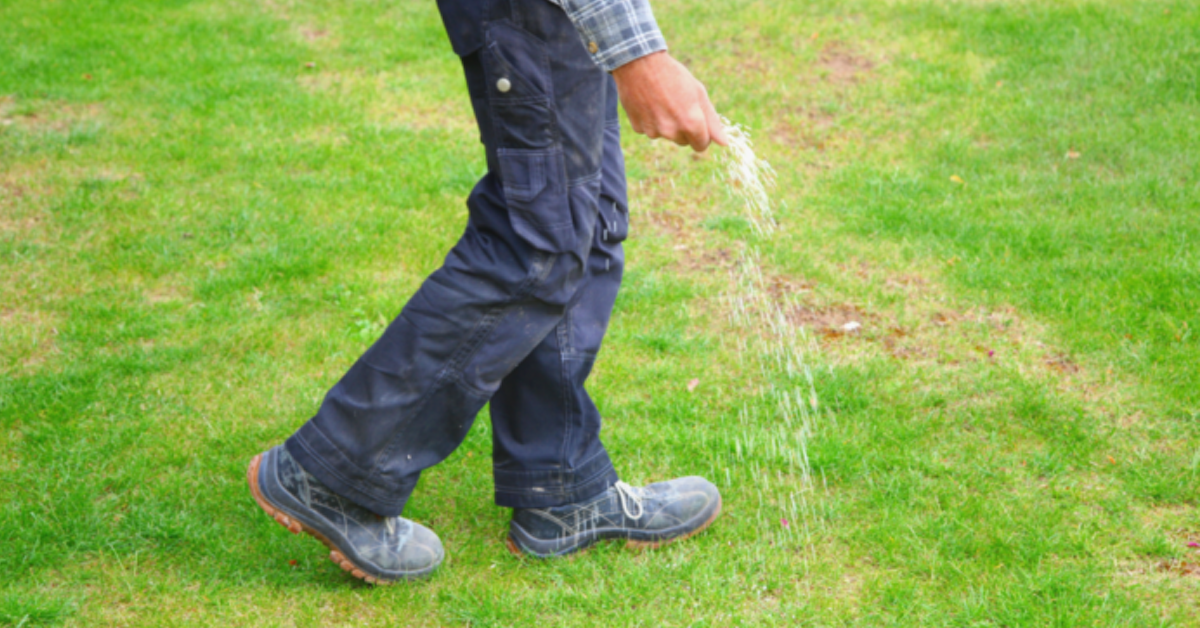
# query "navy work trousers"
(516, 313)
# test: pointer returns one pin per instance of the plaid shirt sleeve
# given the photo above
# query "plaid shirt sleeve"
(615, 32)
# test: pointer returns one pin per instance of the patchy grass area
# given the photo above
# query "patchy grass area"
(209, 208)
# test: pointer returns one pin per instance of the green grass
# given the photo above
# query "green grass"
(199, 231)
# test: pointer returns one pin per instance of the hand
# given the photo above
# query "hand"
(663, 99)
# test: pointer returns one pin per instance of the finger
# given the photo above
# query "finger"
(716, 128)
(635, 121)
(672, 132)
(697, 134)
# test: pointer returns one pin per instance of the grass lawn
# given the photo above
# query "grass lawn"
(209, 208)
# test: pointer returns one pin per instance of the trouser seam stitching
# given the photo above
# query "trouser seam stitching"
(576, 486)
(598, 175)
(564, 346)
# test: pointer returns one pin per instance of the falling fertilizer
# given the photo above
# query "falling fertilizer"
(778, 349)
(749, 179)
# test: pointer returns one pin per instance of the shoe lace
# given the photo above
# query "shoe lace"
(628, 494)
(392, 538)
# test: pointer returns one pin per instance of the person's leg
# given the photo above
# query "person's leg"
(546, 447)
(409, 401)
(549, 463)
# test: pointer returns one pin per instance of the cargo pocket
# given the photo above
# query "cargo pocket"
(517, 71)
(535, 189)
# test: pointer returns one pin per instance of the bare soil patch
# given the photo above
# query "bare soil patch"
(829, 321)
(842, 65)
(1181, 568)
(312, 34)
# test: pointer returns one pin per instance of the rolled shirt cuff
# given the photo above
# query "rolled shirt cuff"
(615, 32)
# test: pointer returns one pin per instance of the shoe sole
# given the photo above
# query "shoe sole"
(631, 544)
(296, 527)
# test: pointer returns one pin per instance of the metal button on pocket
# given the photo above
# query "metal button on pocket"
(504, 85)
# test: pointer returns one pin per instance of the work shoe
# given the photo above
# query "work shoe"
(373, 548)
(648, 517)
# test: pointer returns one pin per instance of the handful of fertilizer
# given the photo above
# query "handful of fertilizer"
(748, 177)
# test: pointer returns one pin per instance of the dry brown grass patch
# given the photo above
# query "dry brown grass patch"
(18, 225)
(812, 131)
(321, 82)
(1062, 363)
(28, 337)
(167, 293)
(46, 116)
